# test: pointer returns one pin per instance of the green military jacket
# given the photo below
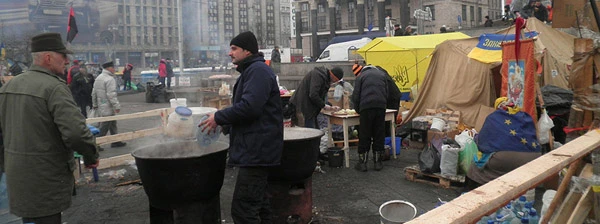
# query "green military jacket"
(42, 127)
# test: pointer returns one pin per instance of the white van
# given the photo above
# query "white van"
(341, 51)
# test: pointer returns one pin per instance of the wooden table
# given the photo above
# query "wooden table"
(347, 120)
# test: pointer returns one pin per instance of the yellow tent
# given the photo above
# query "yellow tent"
(406, 58)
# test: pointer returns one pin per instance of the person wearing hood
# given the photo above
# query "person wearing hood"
(162, 71)
(370, 98)
(255, 121)
(105, 102)
(309, 97)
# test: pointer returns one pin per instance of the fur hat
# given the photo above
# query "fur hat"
(246, 40)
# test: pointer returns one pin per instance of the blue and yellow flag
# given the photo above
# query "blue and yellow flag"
(508, 132)
(2, 51)
(489, 48)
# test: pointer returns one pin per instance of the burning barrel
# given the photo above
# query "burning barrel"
(290, 183)
(183, 177)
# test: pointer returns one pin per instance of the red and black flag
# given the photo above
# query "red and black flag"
(72, 27)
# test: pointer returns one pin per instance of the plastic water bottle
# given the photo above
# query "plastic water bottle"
(518, 205)
(525, 220)
(206, 138)
(507, 212)
(518, 217)
(487, 220)
(533, 216)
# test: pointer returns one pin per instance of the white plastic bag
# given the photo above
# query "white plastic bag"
(338, 93)
(92, 113)
(463, 138)
(544, 126)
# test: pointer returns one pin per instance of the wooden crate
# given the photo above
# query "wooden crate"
(414, 174)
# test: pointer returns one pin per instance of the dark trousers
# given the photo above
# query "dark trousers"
(371, 130)
(82, 103)
(127, 83)
(108, 126)
(311, 123)
(250, 201)
(169, 82)
(51, 219)
(161, 80)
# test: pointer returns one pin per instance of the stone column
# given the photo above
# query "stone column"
(381, 14)
(314, 27)
(298, 15)
(404, 13)
(332, 18)
(360, 16)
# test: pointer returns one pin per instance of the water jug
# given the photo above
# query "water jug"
(180, 123)
(206, 137)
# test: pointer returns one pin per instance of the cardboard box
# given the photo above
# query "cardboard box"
(344, 103)
(565, 14)
(447, 134)
(483, 112)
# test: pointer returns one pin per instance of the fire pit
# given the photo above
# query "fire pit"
(290, 184)
(179, 174)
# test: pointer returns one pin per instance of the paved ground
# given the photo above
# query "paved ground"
(340, 195)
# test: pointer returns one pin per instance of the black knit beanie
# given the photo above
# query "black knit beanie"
(246, 40)
(338, 72)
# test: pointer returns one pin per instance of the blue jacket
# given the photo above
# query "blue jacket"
(256, 118)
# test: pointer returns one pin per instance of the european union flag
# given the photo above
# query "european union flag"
(508, 132)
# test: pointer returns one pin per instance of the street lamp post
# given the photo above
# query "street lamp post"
(113, 28)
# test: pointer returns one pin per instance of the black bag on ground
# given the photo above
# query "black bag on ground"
(429, 160)
(159, 93)
(150, 88)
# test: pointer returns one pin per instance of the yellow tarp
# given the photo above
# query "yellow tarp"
(406, 58)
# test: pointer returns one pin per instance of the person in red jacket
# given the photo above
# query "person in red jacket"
(162, 71)
(72, 71)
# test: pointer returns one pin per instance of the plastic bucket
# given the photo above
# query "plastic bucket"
(175, 102)
(438, 124)
(388, 141)
(397, 211)
(336, 157)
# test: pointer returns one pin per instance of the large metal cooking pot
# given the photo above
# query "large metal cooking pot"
(300, 154)
(177, 173)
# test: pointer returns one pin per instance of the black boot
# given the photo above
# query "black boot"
(363, 158)
(377, 157)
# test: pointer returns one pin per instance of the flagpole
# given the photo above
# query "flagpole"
(180, 34)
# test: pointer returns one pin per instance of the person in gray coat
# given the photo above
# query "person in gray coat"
(105, 102)
(309, 97)
(370, 101)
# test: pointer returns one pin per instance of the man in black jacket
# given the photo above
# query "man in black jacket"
(256, 134)
(170, 73)
(309, 97)
(370, 101)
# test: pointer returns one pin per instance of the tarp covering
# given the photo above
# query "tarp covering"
(462, 84)
(406, 58)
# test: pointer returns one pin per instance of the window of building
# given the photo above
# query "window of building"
(321, 8)
(370, 16)
(322, 21)
(351, 6)
(388, 2)
(351, 19)
(338, 17)
(120, 9)
(305, 7)
(472, 13)
(479, 12)
(305, 26)
(370, 4)
(464, 13)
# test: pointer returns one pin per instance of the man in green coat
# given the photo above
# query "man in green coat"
(42, 127)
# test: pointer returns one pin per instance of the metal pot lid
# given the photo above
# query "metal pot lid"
(299, 133)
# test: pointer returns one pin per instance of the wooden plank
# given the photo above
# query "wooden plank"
(150, 113)
(566, 208)
(470, 206)
(558, 198)
(115, 161)
(128, 135)
(583, 208)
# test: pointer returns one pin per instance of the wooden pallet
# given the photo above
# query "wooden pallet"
(414, 174)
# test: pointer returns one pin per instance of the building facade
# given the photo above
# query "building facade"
(313, 19)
